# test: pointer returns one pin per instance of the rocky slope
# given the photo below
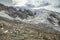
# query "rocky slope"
(14, 29)
(13, 12)
(11, 30)
(30, 16)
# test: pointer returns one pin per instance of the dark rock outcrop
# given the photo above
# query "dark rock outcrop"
(53, 17)
(13, 12)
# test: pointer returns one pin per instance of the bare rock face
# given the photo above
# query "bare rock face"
(13, 12)
(54, 18)
(2, 7)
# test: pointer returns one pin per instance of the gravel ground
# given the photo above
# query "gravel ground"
(23, 31)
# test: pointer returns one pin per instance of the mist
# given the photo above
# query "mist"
(7, 2)
(53, 5)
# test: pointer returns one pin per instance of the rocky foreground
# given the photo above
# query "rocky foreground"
(22, 31)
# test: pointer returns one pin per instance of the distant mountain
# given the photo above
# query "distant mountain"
(31, 16)
(13, 12)
(35, 15)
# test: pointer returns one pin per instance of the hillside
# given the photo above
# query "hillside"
(18, 24)
(23, 31)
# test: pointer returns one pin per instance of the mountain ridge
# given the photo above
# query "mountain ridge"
(27, 16)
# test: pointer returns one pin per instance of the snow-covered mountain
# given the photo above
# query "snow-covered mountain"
(32, 11)
(33, 16)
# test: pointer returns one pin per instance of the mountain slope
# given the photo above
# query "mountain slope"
(18, 24)
(11, 30)
(31, 16)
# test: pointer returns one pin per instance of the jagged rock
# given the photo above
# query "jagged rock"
(54, 15)
(13, 12)
(2, 7)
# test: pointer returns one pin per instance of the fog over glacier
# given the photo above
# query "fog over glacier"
(6, 2)
(53, 5)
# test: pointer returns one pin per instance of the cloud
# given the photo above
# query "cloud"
(35, 2)
(47, 4)
(19, 2)
(52, 5)
(57, 6)
(6, 2)
(30, 2)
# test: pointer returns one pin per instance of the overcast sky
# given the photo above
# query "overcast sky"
(53, 4)
(22, 2)
(6, 2)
